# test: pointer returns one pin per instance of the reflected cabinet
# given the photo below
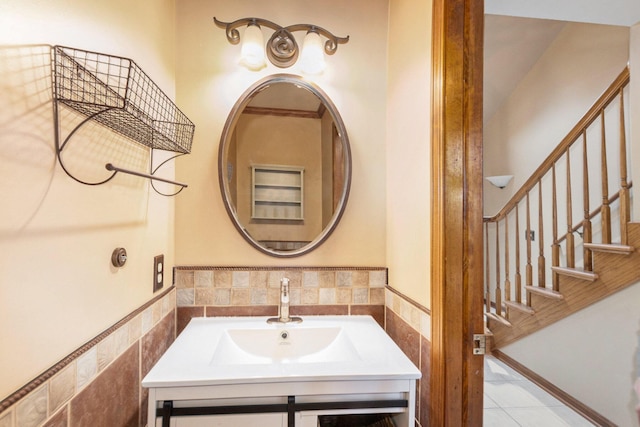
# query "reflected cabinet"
(277, 192)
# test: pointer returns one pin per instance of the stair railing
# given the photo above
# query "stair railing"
(550, 194)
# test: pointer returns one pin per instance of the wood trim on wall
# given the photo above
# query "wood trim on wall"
(457, 252)
(557, 392)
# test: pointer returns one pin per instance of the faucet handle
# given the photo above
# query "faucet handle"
(284, 284)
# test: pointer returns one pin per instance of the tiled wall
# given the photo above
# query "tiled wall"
(409, 325)
(255, 291)
(98, 385)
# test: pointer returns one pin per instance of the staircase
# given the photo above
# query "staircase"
(590, 252)
(615, 267)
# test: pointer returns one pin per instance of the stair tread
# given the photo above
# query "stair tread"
(498, 318)
(545, 292)
(616, 270)
(520, 307)
(610, 248)
(577, 273)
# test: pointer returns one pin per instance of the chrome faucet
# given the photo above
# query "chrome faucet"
(284, 305)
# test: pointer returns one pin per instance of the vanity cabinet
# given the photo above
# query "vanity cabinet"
(277, 192)
(237, 420)
(313, 400)
(245, 371)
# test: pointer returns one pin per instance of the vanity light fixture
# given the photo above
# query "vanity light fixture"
(252, 52)
(312, 56)
(500, 181)
(281, 48)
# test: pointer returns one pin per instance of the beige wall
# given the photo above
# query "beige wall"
(634, 104)
(387, 217)
(210, 80)
(408, 149)
(57, 286)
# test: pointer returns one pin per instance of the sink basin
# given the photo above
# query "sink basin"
(248, 350)
(284, 345)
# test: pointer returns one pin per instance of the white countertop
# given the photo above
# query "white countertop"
(193, 359)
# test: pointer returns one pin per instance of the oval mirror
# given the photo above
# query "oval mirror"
(284, 166)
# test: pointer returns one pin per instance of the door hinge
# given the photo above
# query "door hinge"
(479, 344)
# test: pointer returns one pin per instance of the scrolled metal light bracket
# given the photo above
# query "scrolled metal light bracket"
(282, 48)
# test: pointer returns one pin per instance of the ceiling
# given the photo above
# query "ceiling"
(517, 32)
(611, 12)
(286, 96)
(512, 45)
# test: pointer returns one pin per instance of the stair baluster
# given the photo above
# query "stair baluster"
(541, 259)
(625, 204)
(586, 222)
(498, 291)
(487, 270)
(529, 267)
(507, 281)
(555, 247)
(518, 284)
(605, 210)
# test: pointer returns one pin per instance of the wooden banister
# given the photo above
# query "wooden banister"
(504, 258)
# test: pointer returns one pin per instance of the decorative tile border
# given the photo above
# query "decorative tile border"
(48, 395)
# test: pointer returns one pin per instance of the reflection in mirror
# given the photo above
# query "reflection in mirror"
(284, 166)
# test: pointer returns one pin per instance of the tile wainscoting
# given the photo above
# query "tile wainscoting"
(98, 385)
(85, 387)
(255, 291)
(409, 325)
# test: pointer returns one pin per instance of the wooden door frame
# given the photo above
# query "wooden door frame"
(456, 381)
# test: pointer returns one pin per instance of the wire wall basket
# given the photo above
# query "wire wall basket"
(115, 92)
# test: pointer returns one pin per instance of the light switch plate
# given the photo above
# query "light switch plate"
(158, 272)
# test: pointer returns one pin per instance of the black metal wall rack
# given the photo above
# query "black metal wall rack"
(116, 93)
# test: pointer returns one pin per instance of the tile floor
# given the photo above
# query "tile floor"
(511, 400)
